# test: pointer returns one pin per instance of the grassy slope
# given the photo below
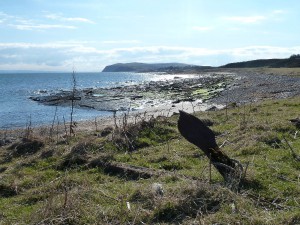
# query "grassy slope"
(273, 71)
(53, 186)
(292, 62)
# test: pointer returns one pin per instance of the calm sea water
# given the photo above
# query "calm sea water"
(17, 110)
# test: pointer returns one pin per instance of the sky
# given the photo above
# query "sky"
(87, 35)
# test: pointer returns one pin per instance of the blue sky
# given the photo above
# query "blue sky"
(59, 35)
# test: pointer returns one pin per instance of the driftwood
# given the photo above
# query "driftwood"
(196, 132)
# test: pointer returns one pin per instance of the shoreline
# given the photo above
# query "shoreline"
(183, 87)
(100, 123)
(134, 116)
(248, 86)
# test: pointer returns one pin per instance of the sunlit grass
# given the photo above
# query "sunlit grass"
(40, 187)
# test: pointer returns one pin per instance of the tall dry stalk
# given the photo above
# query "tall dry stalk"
(28, 130)
(96, 124)
(74, 82)
(226, 106)
(53, 122)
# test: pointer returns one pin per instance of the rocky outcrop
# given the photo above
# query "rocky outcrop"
(145, 95)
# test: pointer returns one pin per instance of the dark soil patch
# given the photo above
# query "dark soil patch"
(26, 147)
(2, 169)
(72, 161)
(106, 131)
(123, 170)
(7, 191)
(204, 200)
(79, 155)
(47, 154)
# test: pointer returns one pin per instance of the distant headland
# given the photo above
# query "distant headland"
(151, 67)
(291, 62)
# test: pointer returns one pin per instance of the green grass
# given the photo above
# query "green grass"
(37, 187)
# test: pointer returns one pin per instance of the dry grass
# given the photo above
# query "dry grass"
(55, 183)
(273, 71)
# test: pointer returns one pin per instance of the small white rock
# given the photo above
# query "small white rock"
(128, 206)
(157, 188)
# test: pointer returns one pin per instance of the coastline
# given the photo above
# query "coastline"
(124, 164)
(100, 123)
(248, 85)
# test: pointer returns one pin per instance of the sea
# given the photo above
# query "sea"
(17, 110)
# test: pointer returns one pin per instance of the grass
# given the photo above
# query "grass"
(54, 182)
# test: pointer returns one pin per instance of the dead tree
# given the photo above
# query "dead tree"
(196, 132)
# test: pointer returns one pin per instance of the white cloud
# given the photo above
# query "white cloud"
(278, 11)
(203, 29)
(78, 19)
(63, 55)
(121, 42)
(123, 17)
(246, 19)
(21, 23)
(4, 15)
(70, 19)
(264, 52)
(30, 66)
(254, 19)
(41, 26)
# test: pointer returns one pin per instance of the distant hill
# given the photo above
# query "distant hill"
(154, 67)
(293, 61)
